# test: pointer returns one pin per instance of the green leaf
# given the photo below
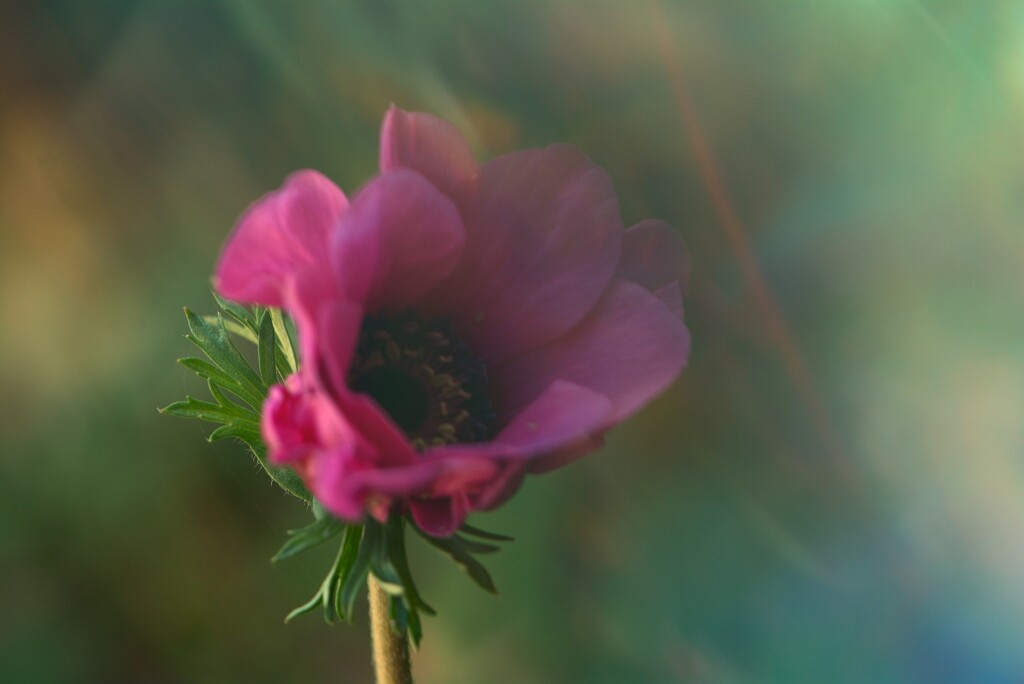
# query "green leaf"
(234, 328)
(349, 552)
(405, 619)
(217, 413)
(222, 399)
(286, 343)
(455, 548)
(355, 578)
(307, 607)
(372, 547)
(396, 552)
(313, 535)
(380, 563)
(266, 349)
(476, 547)
(228, 373)
(483, 534)
(244, 316)
(327, 595)
(249, 435)
(405, 610)
(215, 343)
(207, 370)
(286, 478)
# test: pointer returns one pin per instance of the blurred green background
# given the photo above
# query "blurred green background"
(834, 491)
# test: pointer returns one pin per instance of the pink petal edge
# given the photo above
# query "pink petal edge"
(400, 237)
(427, 144)
(629, 349)
(279, 236)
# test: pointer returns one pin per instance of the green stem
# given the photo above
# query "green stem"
(390, 649)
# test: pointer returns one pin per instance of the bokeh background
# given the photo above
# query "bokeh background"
(834, 491)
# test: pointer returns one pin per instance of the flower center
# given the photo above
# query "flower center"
(425, 377)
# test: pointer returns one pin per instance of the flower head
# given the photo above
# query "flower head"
(460, 325)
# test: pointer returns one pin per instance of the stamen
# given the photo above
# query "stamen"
(425, 377)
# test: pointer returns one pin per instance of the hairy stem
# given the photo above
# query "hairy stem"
(390, 649)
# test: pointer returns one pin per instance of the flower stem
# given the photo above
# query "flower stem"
(390, 649)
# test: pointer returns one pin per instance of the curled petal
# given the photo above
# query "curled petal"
(347, 480)
(290, 423)
(427, 144)
(298, 421)
(281, 235)
(386, 446)
(336, 333)
(439, 516)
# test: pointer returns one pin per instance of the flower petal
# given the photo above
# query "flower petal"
(500, 488)
(553, 429)
(543, 236)
(564, 413)
(297, 421)
(629, 349)
(386, 442)
(282, 234)
(565, 456)
(331, 341)
(328, 325)
(399, 238)
(672, 297)
(439, 516)
(426, 144)
(654, 256)
(438, 484)
(347, 480)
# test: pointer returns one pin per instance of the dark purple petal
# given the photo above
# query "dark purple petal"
(629, 349)
(543, 236)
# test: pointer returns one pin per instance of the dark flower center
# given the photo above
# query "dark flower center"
(426, 378)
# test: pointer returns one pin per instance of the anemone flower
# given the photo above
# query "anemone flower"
(460, 325)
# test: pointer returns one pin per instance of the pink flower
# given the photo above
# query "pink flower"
(460, 324)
